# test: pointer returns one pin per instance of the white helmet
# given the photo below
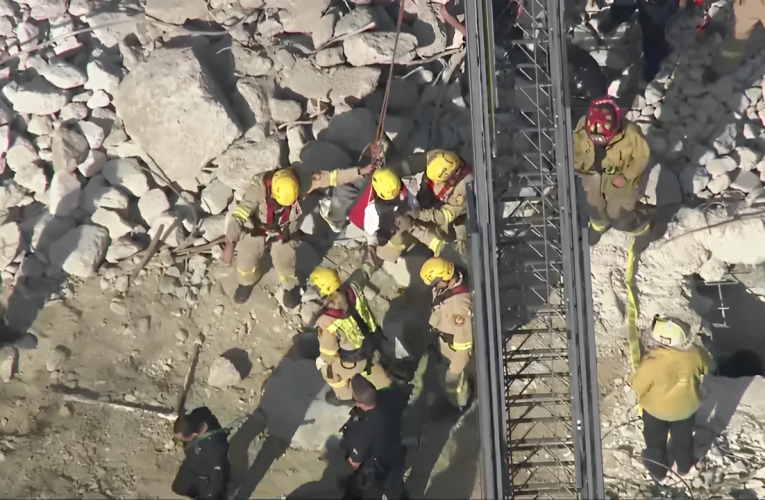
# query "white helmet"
(670, 332)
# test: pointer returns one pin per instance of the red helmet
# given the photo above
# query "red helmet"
(603, 120)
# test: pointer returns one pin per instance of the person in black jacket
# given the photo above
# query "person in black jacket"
(204, 472)
(372, 440)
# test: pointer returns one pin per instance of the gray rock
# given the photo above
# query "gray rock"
(223, 374)
(99, 99)
(725, 141)
(358, 18)
(333, 56)
(40, 125)
(92, 164)
(101, 76)
(251, 63)
(295, 142)
(69, 149)
(701, 155)
(653, 94)
(257, 92)
(719, 184)
(429, 30)
(11, 194)
(93, 133)
(369, 48)
(754, 94)
(663, 187)
(10, 238)
(74, 111)
(147, 102)
(693, 180)
(122, 249)
(127, 174)
(153, 203)
(338, 85)
(118, 22)
(46, 9)
(177, 11)
(80, 251)
(212, 228)
(745, 181)
(216, 197)
(32, 177)
(747, 158)
(37, 97)
(172, 233)
(64, 193)
(98, 193)
(112, 221)
(245, 159)
(21, 154)
(352, 130)
(63, 75)
(47, 230)
(32, 267)
(720, 166)
(283, 111)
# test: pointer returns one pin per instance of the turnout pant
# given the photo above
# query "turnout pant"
(249, 252)
(655, 433)
(748, 14)
(652, 17)
(456, 381)
(618, 209)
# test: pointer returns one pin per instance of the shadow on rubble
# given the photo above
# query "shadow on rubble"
(330, 485)
(734, 316)
(287, 395)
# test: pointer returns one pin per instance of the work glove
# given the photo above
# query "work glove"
(320, 363)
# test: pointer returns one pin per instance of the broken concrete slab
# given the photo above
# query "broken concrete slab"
(122, 249)
(365, 49)
(244, 159)
(37, 97)
(249, 62)
(336, 84)
(257, 92)
(212, 228)
(146, 101)
(80, 251)
(284, 111)
(333, 56)
(296, 142)
(126, 173)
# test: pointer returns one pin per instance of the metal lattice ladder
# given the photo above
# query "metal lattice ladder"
(537, 287)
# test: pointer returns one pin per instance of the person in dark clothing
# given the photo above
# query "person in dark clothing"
(372, 440)
(204, 472)
(10, 337)
(501, 9)
(652, 17)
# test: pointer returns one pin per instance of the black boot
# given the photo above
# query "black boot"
(291, 298)
(243, 293)
(332, 399)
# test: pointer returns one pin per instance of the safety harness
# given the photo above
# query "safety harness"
(450, 183)
(356, 323)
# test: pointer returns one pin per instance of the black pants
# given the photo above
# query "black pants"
(655, 457)
(652, 17)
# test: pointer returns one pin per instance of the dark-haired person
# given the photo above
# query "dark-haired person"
(372, 440)
(501, 9)
(204, 472)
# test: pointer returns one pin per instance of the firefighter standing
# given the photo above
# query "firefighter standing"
(346, 327)
(452, 318)
(429, 188)
(274, 197)
(610, 154)
(748, 14)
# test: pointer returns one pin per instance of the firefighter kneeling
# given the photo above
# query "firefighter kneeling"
(452, 318)
(346, 327)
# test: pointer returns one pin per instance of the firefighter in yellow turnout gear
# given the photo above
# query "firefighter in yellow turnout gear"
(346, 327)
(267, 218)
(429, 191)
(452, 318)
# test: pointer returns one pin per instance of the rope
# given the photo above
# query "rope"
(380, 126)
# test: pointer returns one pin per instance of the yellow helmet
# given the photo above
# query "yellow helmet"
(442, 164)
(326, 280)
(386, 184)
(284, 187)
(436, 267)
